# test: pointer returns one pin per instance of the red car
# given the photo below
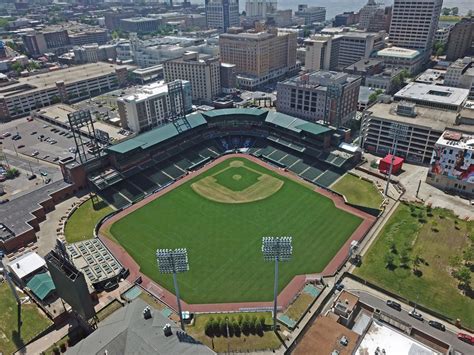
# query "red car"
(466, 338)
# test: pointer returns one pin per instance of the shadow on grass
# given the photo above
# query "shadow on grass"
(282, 340)
(99, 205)
(17, 339)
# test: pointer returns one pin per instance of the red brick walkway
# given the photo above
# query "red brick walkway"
(285, 296)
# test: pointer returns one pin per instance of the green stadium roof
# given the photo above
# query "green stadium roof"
(41, 285)
(296, 124)
(163, 133)
(156, 136)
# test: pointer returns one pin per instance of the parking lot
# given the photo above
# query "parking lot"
(37, 139)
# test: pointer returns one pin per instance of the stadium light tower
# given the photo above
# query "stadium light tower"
(276, 249)
(397, 131)
(172, 261)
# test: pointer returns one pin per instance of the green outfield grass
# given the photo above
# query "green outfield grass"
(224, 240)
(80, 226)
(358, 191)
(435, 238)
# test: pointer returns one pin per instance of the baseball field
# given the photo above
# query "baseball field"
(220, 216)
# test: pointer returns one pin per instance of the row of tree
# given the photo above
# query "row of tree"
(229, 327)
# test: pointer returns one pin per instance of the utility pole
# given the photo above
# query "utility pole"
(397, 131)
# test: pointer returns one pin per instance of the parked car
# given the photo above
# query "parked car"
(47, 181)
(56, 159)
(33, 133)
(466, 338)
(29, 118)
(44, 173)
(21, 146)
(52, 141)
(16, 137)
(4, 201)
(6, 134)
(416, 315)
(395, 305)
(32, 177)
(35, 153)
(339, 286)
(437, 325)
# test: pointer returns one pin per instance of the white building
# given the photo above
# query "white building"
(260, 8)
(311, 14)
(452, 163)
(403, 58)
(414, 23)
(151, 106)
(460, 74)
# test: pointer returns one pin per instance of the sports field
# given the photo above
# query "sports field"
(220, 216)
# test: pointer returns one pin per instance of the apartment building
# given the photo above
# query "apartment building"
(153, 105)
(311, 14)
(460, 40)
(93, 53)
(20, 97)
(320, 95)
(424, 127)
(139, 24)
(203, 72)
(260, 56)
(222, 14)
(87, 36)
(341, 50)
(452, 163)
(414, 24)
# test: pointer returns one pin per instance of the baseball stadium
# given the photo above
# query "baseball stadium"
(215, 183)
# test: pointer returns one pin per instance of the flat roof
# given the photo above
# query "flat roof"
(433, 93)
(67, 75)
(26, 264)
(433, 118)
(391, 341)
(457, 140)
(325, 335)
(398, 52)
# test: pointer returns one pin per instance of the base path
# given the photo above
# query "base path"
(286, 296)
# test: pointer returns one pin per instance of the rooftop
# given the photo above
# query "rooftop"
(433, 93)
(26, 264)
(68, 75)
(457, 140)
(434, 118)
(138, 19)
(431, 76)
(398, 52)
(321, 79)
(325, 335)
(126, 331)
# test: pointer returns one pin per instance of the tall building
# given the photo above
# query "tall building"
(346, 19)
(460, 74)
(414, 23)
(260, 8)
(311, 14)
(203, 72)
(139, 24)
(339, 51)
(320, 95)
(259, 57)
(151, 106)
(366, 13)
(460, 39)
(222, 14)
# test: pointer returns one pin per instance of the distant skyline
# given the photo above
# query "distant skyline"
(339, 6)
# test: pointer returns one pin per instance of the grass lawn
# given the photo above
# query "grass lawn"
(299, 306)
(34, 322)
(80, 225)
(358, 191)
(224, 240)
(436, 240)
(241, 343)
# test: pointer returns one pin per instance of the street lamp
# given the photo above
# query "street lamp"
(172, 261)
(276, 249)
(397, 131)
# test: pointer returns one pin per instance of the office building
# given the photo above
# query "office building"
(87, 36)
(366, 13)
(429, 95)
(73, 84)
(414, 24)
(139, 24)
(380, 20)
(203, 72)
(112, 18)
(311, 14)
(260, 8)
(460, 74)
(151, 106)
(280, 18)
(346, 19)
(341, 50)
(389, 80)
(409, 59)
(460, 40)
(92, 53)
(424, 127)
(452, 163)
(320, 95)
(222, 14)
(259, 57)
(228, 78)
(442, 34)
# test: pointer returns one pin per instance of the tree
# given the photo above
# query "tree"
(236, 327)
(464, 277)
(12, 173)
(417, 261)
(259, 328)
(208, 328)
(455, 261)
(262, 321)
(445, 11)
(389, 260)
(455, 11)
(223, 327)
(246, 326)
(404, 258)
